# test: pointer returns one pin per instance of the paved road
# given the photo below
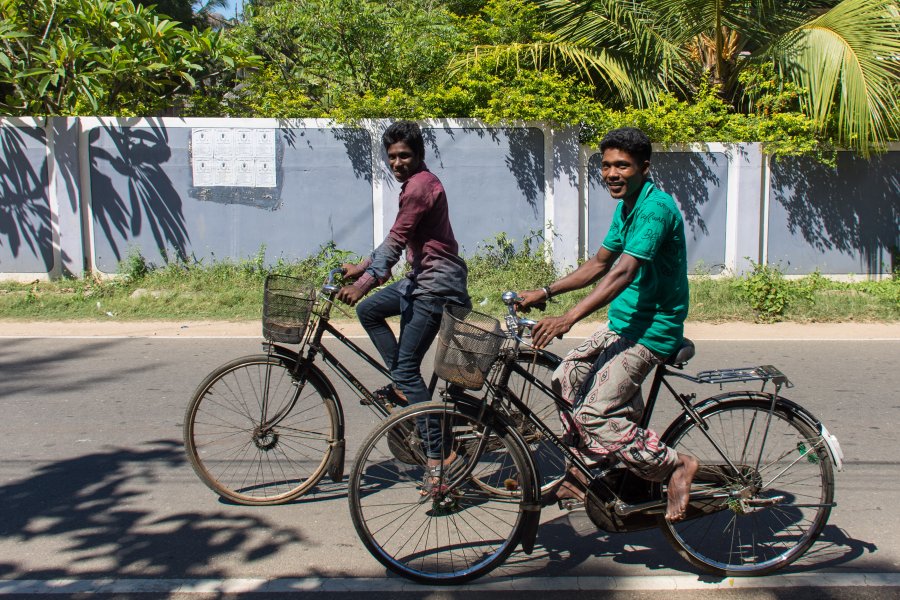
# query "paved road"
(94, 484)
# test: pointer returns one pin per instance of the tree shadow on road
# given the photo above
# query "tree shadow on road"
(93, 511)
(567, 544)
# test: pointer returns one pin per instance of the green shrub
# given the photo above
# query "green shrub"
(767, 292)
(135, 267)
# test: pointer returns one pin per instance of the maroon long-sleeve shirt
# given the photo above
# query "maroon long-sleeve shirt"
(422, 227)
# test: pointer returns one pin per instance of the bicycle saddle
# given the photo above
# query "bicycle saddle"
(680, 357)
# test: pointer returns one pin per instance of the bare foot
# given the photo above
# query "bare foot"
(680, 487)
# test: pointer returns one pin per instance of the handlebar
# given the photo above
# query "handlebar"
(330, 287)
(513, 321)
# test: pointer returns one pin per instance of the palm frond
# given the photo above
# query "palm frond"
(598, 67)
(849, 61)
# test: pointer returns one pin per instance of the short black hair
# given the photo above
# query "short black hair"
(405, 131)
(630, 139)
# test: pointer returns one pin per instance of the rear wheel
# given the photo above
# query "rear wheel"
(450, 530)
(766, 508)
(248, 442)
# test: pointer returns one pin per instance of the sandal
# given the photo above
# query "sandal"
(572, 486)
(436, 477)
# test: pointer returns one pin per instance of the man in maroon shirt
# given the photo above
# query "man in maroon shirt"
(437, 275)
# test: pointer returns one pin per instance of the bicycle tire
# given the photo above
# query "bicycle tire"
(787, 496)
(549, 460)
(452, 535)
(243, 463)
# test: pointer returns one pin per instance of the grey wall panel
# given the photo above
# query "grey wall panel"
(843, 220)
(26, 236)
(699, 183)
(143, 196)
(494, 180)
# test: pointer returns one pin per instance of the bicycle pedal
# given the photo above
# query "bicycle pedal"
(570, 504)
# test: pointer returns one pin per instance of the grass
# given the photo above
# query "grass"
(233, 290)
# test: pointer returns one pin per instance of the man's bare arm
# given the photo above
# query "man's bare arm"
(616, 280)
(586, 274)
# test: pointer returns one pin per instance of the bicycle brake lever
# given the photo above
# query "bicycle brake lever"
(340, 308)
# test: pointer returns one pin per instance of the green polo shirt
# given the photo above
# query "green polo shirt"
(651, 311)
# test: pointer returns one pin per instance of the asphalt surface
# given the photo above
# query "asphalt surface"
(94, 484)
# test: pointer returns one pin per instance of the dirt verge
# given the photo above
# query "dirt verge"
(699, 331)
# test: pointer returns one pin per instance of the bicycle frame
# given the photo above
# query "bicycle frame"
(315, 347)
(501, 391)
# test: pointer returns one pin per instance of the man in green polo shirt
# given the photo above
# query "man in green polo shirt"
(642, 273)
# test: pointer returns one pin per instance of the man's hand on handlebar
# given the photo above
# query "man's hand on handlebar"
(350, 295)
(352, 271)
(531, 299)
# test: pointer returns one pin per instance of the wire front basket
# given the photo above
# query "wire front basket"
(467, 345)
(287, 306)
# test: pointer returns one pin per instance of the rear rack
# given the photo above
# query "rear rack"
(762, 373)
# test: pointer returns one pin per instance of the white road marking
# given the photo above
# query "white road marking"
(368, 585)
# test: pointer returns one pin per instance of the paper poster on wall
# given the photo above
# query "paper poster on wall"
(226, 157)
(265, 173)
(203, 172)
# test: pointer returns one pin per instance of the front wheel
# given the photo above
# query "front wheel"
(549, 460)
(446, 528)
(254, 436)
(766, 508)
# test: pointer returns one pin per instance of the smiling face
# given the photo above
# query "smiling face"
(404, 162)
(623, 175)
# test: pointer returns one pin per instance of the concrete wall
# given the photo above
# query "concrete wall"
(81, 194)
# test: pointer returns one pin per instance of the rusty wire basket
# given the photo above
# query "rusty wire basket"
(287, 306)
(467, 345)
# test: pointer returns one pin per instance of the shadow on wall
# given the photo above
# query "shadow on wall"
(150, 200)
(853, 209)
(357, 144)
(525, 165)
(25, 219)
(688, 177)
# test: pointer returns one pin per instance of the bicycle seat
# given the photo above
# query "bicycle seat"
(680, 357)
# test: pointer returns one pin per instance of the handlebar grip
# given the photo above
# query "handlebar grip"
(329, 286)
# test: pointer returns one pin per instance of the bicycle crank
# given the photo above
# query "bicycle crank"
(743, 506)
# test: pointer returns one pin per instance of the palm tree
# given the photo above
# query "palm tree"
(845, 55)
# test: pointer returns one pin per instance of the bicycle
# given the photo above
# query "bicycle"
(264, 429)
(763, 493)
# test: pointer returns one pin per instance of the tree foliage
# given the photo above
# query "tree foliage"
(332, 51)
(71, 57)
(802, 76)
(843, 54)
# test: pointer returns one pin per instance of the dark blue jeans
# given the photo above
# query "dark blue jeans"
(420, 319)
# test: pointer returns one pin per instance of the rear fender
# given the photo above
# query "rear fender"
(831, 442)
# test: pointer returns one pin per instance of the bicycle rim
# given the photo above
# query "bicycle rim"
(235, 452)
(779, 505)
(458, 531)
